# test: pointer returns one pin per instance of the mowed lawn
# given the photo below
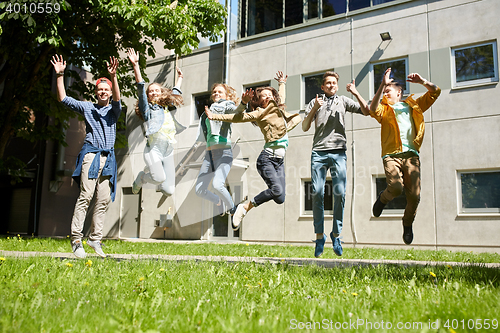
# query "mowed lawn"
(43, 294)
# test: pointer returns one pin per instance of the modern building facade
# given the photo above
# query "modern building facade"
(446, 41)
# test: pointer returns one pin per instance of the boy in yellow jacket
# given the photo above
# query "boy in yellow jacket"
(402, 134)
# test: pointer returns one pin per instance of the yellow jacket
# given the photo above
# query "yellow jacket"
(390, 136)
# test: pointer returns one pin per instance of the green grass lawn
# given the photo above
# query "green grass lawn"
(104, 295)
(18, 243)
(42, 294)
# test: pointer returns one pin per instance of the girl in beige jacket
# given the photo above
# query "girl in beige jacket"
(274, 122)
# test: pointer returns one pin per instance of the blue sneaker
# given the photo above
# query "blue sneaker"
(337, 246)
(320, 245)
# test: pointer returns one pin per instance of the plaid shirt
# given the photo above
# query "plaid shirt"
(100, 121)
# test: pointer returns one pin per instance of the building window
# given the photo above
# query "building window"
(396, 205)
(294, 12)
(325, 8)
(264, 15)
(479, 192)
(328, 199)
(475, 64)
(258, 16)
(359, 4)
(199, 105)
(254, 86)
(399, 72)
(312, 86)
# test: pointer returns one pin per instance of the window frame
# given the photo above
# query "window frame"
(243, 16)
(485, 81)
(194, 119)
(473, 211)
(303, 101)
(374, 86)
(309, 213)
(387, 212)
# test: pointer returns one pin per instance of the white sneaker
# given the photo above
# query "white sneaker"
(238, 216)
(78, 249)
(97, 246)
(136, 186)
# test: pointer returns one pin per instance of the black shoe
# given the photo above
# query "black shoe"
(378, 206)
(407, 235)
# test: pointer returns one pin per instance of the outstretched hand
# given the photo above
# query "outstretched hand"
(415, 78)
(179, 72)
(112, 65)
(351, 87)
(247, 96)
(280, 77)
(386, 79)
(133, 56)
(59, 64)
(208, 113)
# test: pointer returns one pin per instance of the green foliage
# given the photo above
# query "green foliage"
(86, 33)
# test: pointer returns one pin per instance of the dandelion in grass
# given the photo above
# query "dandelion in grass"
(432, 274)
(141, 279)
(88, 263)
(247, 244)
(162, 269)
(69, 264)
(354, 294)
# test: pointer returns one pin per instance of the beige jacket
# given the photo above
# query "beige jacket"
(273, 122)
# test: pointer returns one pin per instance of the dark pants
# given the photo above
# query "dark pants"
(272, 170)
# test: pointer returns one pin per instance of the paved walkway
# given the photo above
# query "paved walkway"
(329, 263)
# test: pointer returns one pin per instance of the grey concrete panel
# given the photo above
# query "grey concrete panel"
(293, 98)
(454, 152)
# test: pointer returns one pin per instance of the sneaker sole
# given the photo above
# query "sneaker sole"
(103, 255)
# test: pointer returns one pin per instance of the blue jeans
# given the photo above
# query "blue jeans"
(321, 162)
(216, 166)
(272, 170)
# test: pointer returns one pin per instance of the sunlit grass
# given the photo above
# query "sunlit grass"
(19, 243)
(51, 295)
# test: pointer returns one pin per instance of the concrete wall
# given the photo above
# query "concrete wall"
(461, 128)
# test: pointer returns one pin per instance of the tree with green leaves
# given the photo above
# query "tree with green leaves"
(85, 33)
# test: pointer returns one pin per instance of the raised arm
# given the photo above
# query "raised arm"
(59, 66)
(351, 87)
(112, 66)
(416, 78)
(378, 95)
(180, 76)
(306, 123)
(134, 60)
(281, 78)
(243, 117)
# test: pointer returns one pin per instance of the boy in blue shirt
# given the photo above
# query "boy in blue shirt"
(96, 168)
